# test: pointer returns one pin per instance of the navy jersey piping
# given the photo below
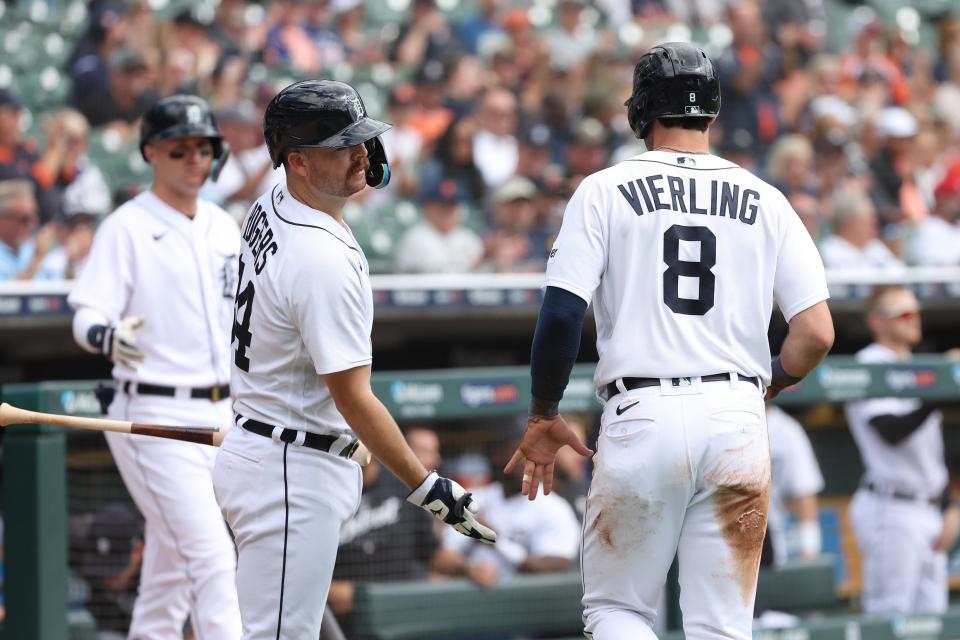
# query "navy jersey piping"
(301, 224)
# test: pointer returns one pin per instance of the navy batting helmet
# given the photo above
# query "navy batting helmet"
(325, 113)
(180, 116)
(672, 80)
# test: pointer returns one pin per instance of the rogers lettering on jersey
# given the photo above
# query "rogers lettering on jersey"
(259, 237)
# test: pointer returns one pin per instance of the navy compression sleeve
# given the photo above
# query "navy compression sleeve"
(556, 343)
(895, 428)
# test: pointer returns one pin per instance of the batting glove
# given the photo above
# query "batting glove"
(120, 342)
(452, 504)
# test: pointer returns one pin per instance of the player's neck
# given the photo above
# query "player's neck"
(331, 205)
(678, 140)
(184, 203)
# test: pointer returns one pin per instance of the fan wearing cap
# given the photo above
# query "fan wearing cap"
(439, 243)
(895, 190)
(155, 298)
(936, 240)
(511, 244)
(110, 562)
(124, 97)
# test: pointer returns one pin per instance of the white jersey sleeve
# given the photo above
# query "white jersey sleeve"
(800, 280)
(327, 301)
(107, 280)
(583, 234)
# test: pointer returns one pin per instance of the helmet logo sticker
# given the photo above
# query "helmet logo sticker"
(194, 114)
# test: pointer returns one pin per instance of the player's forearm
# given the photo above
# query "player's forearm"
(808, 340)
(545, 564)
(448, 562)
(374, 425)
(556, 343)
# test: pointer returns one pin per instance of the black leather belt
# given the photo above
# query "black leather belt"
(899, 495)
(640, 383)
(317, 441)
(214, 393)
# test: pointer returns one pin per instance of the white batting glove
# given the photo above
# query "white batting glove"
(120, 342)
(452, 504)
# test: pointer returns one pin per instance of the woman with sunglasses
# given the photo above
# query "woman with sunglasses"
(156, 298)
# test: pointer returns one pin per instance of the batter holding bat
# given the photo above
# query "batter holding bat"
(301, 369)
(156, 298)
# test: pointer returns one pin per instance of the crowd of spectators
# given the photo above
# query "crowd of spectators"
(500, 108)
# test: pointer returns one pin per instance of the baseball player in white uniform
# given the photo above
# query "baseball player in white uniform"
(899, 514)
(156, 298)
(682, 254)
(301, 369)
(795, 482)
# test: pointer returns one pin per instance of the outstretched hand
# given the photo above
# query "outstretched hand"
(537, 452)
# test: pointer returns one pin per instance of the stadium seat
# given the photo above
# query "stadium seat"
(798, 587)
(545, 605)
(82, 625)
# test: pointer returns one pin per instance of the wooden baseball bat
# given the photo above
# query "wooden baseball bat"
(213, 436)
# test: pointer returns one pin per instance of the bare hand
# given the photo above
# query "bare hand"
(46, 239)
(484, 574)
(951, 528)
(537, 452)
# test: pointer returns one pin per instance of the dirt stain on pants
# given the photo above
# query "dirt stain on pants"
(741, 510)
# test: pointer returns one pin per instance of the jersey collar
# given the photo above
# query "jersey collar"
(685, 160)
(171, 216)
(292, 211)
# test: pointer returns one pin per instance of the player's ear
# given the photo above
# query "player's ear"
(148, 152)
(297, 162)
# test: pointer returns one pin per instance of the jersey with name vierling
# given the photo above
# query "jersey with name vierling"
(682, 256)
(304, 309)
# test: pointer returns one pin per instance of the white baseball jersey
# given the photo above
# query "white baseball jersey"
(726, 243)
(916, 464)
(304, 309)
(179, 273)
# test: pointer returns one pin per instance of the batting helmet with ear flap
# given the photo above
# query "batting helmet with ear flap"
(325, 113)
(181, 116)
(673, 80)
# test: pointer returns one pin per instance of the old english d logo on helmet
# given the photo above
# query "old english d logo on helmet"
(181, 116)
(324, 113)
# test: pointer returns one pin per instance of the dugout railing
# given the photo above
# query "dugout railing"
(34, 457)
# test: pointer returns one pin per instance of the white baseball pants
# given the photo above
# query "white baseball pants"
(189, 560)
(901, 571)
(285, 504)
(680, 470)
